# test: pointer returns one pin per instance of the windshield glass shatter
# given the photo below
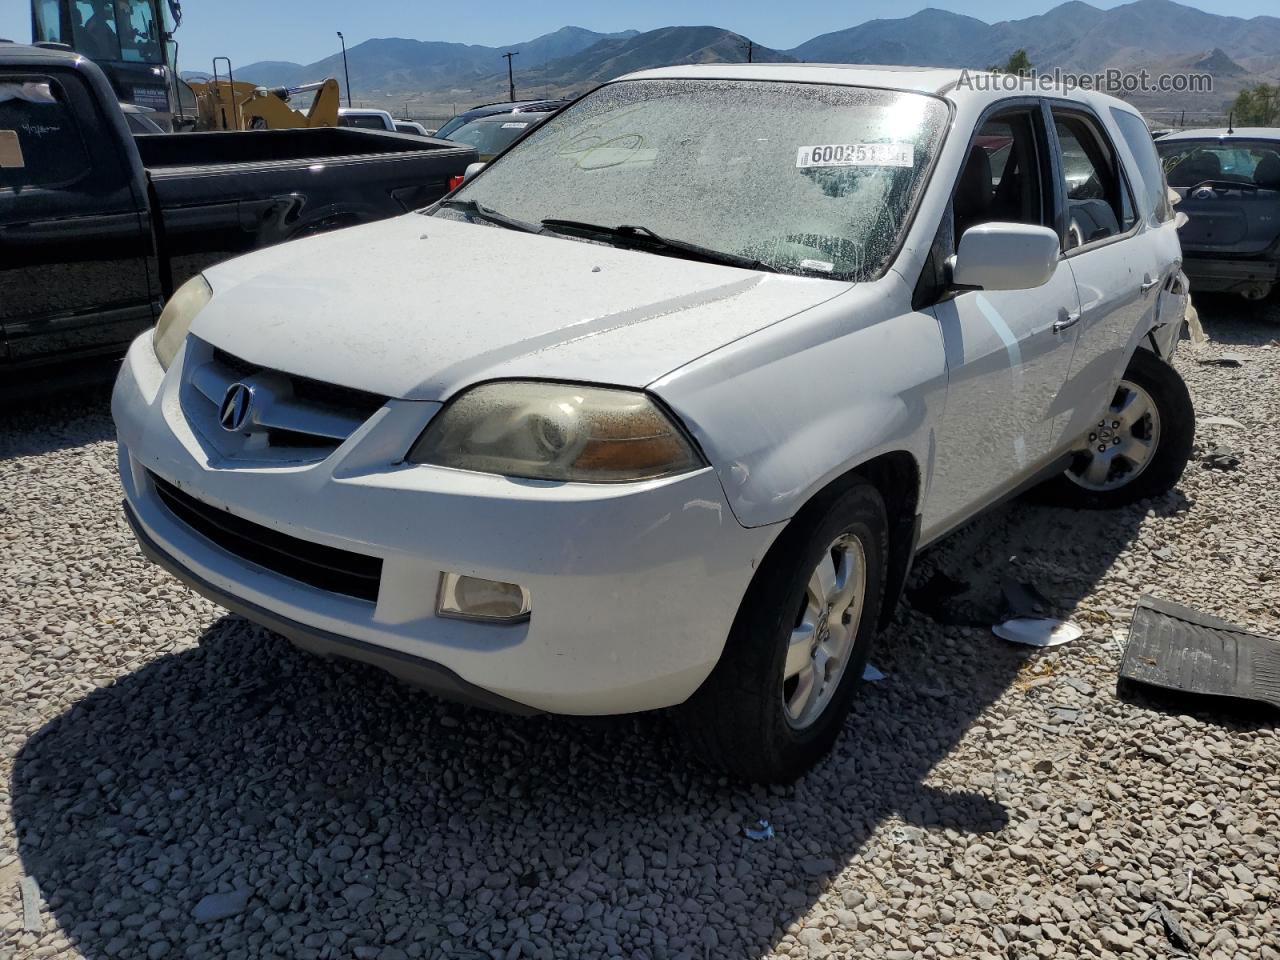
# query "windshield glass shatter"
(807, 178)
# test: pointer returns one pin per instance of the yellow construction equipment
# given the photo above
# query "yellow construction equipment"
(228, 105)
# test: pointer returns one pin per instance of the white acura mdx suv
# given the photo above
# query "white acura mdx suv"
(655, 410)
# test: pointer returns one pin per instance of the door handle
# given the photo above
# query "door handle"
(1146, 286)
(1070, 320)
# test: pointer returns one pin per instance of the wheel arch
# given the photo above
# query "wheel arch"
(897, 477)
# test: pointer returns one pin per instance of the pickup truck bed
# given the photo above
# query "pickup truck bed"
(222, 194)
(98, 227)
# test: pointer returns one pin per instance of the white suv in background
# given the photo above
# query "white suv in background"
(366, 118)
(655, 410)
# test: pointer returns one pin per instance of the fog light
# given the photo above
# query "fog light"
(474, 598)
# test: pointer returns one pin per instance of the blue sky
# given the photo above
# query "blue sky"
(303, 30)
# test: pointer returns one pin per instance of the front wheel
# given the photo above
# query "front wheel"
(777, 699)
(1139, 446)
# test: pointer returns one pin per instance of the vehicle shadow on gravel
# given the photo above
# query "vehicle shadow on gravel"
(361, 818)
(39, 422)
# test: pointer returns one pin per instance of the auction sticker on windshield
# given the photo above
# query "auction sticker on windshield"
(857, 155)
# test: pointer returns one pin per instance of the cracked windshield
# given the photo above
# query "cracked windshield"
(806, 178)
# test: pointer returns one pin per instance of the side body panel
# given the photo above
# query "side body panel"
(1007, 367)
(1008, 352)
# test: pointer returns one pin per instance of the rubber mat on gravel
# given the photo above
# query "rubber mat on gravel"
(1177, 648)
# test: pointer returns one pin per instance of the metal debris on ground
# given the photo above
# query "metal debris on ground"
(1224, 360)
(1221, 458)
(1176, 648)
(30, 892)
(871, 674)
(763, 830)
(1037, 631)
(1216, 421)
(1178, 938)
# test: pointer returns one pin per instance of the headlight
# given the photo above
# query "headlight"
(556, 431)
(175, 320)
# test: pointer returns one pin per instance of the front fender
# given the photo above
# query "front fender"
(784, 412)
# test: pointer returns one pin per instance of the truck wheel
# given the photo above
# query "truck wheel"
(1139, 448)
(777, 699)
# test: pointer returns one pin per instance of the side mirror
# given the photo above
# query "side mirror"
(472, 170)
(1005, 256)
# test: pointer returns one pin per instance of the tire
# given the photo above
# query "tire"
(1162, 439)
(749, 720)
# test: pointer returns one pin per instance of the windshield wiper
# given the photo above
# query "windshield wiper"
(642, 238)
(481, 212)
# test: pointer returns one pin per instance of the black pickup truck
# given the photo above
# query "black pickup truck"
(98, 227)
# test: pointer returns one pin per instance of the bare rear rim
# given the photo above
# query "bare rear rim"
(826, 627)
(1121, 445)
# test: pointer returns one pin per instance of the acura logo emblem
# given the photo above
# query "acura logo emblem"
(234, 412)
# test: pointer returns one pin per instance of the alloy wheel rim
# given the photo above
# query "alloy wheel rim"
(1121, 445)
(826, 627)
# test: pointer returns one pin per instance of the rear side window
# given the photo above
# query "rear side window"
(40, 143)
(364, 122)
(1098, 202)
(1134, 130)
(491, 137)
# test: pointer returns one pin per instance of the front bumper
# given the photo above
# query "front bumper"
(634, 587)
(421, 673)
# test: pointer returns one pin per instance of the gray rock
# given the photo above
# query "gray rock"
(219, 906)
(356, 893)
(982, 899)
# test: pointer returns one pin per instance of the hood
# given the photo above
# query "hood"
(419, 307)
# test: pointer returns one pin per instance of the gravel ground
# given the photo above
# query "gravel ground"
(182, 784)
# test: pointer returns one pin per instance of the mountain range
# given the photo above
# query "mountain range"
(1158, 35)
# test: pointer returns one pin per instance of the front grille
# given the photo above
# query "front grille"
(339, 571)
(328, 396)
(290, 418)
